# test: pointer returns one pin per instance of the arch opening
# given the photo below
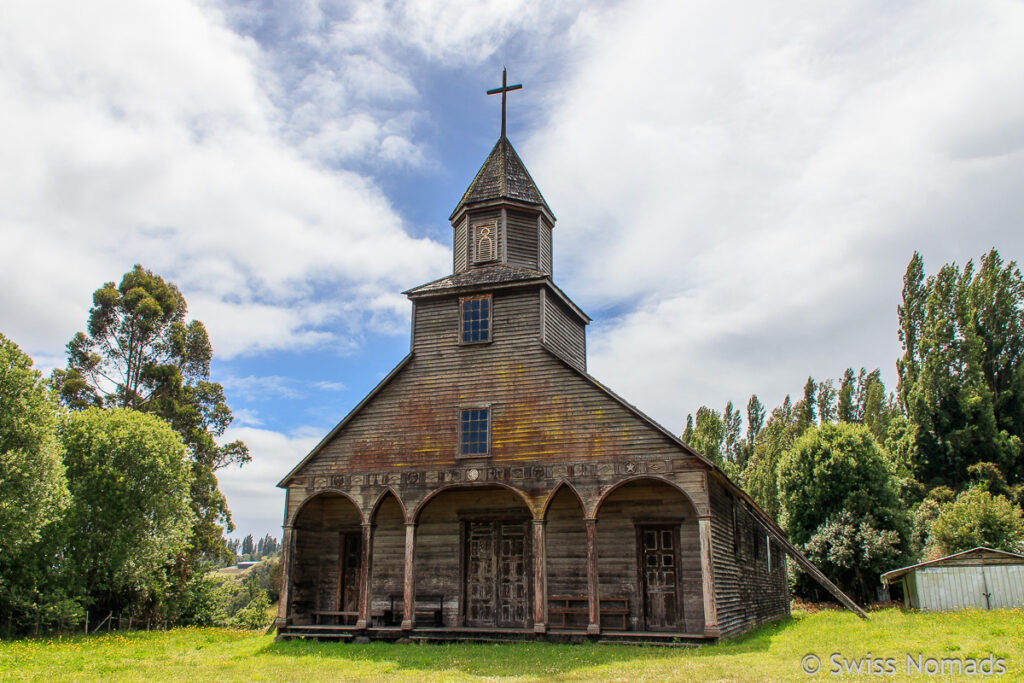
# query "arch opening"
(388, 575)
(327, 560)
(566, 560)
(473, 558)
(648, 546)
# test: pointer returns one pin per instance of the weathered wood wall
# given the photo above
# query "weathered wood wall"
(388, 568)
(566, 537)
(541, 410)
(747, 591)
(521, 238)
(545, 246)
(460, 240)
(618, 558)
(564, 333)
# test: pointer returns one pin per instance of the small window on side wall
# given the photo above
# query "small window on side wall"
(474, 431)
(476, 319)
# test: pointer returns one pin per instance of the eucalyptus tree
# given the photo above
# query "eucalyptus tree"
(140, 352)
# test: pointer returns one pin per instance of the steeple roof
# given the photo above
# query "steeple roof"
(503, 176)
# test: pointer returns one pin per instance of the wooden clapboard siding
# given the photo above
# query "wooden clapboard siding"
(565, 333)
(618, 571)
(545, 246)
(747, 593)
(388, 565)
(540, 409)
(566, 537)
(522, 239)
(460, 242)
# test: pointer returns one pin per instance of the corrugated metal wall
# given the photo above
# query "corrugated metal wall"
(963, 587)
(1006, 585)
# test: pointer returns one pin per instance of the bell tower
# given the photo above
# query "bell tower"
(502, 218)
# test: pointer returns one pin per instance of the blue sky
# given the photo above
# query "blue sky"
(739, 186)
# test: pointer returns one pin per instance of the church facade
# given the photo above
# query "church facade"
(490, 487)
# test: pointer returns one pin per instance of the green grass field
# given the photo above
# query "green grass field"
(772, 653)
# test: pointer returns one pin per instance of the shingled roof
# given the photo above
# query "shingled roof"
(491, 275)
(503, 176)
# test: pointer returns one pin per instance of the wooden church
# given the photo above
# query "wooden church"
(489, 487)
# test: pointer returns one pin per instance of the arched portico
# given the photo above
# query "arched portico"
(482, 535)
(327, 560)
(649, 557)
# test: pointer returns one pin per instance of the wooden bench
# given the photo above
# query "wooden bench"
(339, 618)
(429, 609)
(567, 606)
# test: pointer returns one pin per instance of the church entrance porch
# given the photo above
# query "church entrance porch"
(657, 579)
(473, 560)
(328, 563)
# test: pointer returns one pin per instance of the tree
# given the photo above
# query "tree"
(247, 546)
(33, 488)
(962, 370)
(760, 477)
(826, 401)
(732, 434)
(130, 515)
(978, 518)
(805, 407)
(846, 410)
(833, 471)
(139, 352)
(755, 418)
(706, 434)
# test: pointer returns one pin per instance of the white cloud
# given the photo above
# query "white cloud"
(144, 134)
(257, 505)
(747, 181)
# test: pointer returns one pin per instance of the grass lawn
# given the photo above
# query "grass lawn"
(772, 653)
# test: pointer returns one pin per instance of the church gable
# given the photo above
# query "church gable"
(542, 408)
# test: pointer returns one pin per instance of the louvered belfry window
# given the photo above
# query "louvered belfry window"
(476, 319)
(483, 238)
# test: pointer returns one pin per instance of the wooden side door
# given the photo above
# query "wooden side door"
(659, 571)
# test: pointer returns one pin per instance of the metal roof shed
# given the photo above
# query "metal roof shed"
(980, 578)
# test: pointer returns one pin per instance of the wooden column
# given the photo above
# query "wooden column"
(707, 571)
(365, 574)
(540, 579)
(409, 579)
(593, 592)
(285, 598)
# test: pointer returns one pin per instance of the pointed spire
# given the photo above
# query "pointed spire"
(503, 176)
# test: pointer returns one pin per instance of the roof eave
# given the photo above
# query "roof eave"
(497, 202)
(345, 420)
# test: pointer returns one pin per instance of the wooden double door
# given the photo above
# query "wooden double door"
(497, 574)
(659, 571)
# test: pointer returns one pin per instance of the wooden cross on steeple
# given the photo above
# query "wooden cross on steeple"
(505, 87)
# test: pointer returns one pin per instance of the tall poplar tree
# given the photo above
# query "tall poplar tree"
(962, 370)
